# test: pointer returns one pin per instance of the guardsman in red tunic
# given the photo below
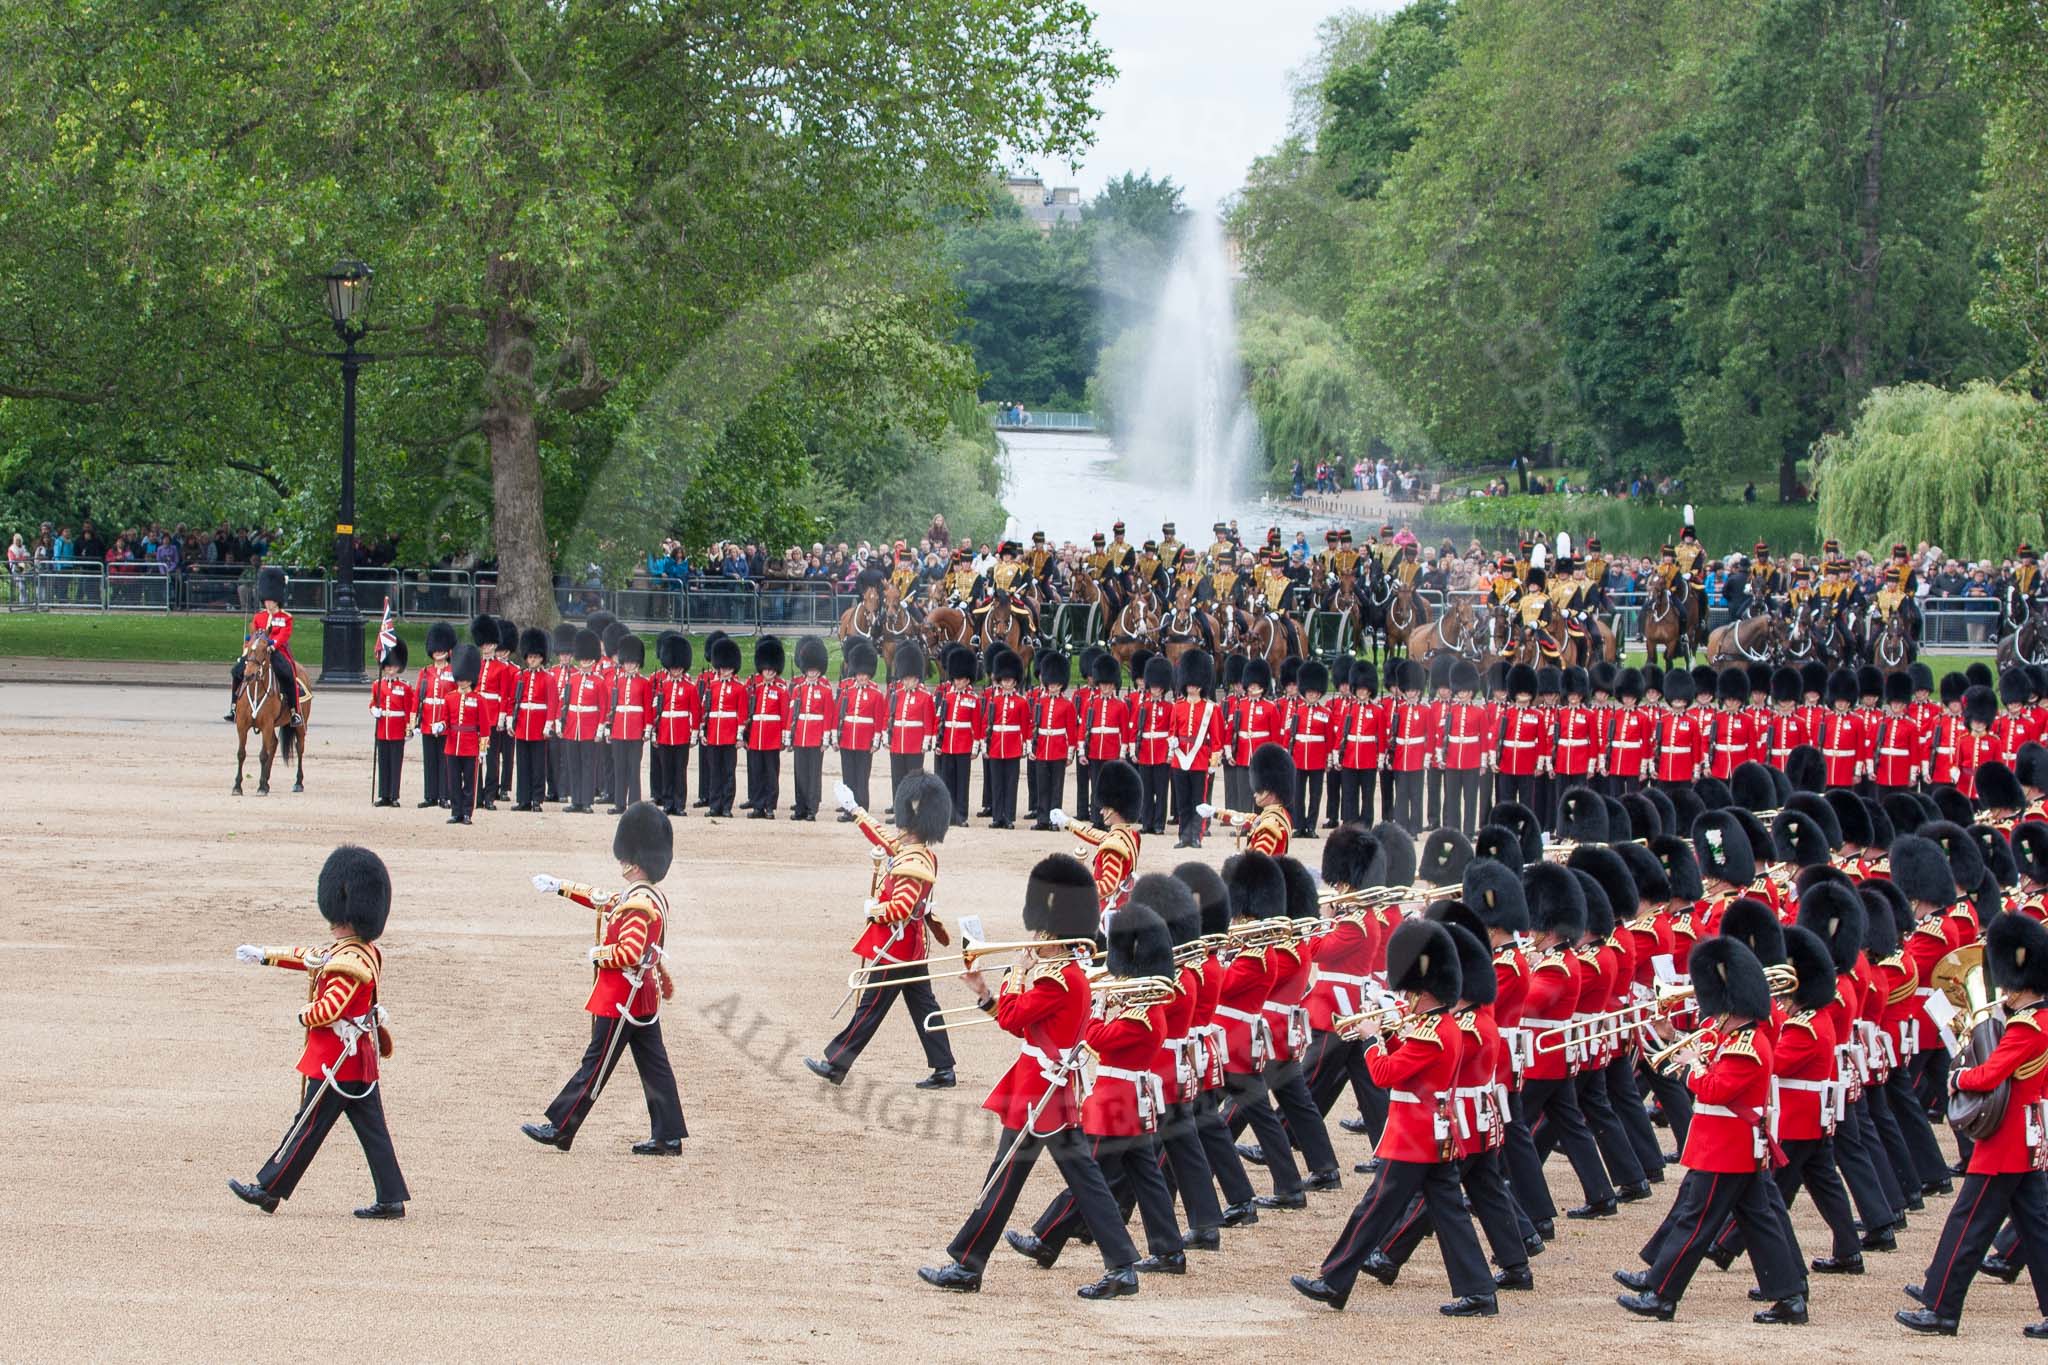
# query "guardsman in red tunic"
(1258, 893)
(1633, 729)
(767, 731)
(1675, 747)
(584, 703)
(1418, 1068)
(433, 687)
(1211, 1048)
(1574, 735)
(1115, 842)
(1361, 745)
(913, 724)
(1055, 731)
(1252, 720)
(1732, 739)
(1524, 740)
(1181, 1062)
(503, 748)
(725, 723)
(1784, 727)
(467, 721)
(678, 710)
(2006, 1170)
(564, 641)
(899, 917)
(1197, 738)
(1045, 1003)
(1604, 976)
(533, 705)
(1479, 1119)
(393, 704)
(1154, 727)
(631, 982)
(1311, 744)
(1109, 724)
(1288, 1019)
(1267, 830)
(345, 1035)
(1729, 1152)
(814, 715)
(2019, 723)
(483, 633)
(1348, 956)
(1008, 729)
(628, 721)
(863, 709)
(1978, 743)
(1124, 1110)
(1903, 754)
(275, 623)
(1839, 735)
(962, 725)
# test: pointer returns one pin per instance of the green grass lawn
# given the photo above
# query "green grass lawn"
(217, 639)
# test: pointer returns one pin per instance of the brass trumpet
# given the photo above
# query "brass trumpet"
(1352, 1026)
(1369, 897)
(877, 973)
(1685, 1042)
(1194, 950)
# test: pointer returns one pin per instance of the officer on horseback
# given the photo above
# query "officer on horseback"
(2021, 597)
(1897, 592)
(1765, 583)
(274, 621)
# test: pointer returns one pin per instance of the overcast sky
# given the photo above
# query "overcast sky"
(1203, 87)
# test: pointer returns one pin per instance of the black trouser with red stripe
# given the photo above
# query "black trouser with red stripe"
(1485, 1183)
(1294, 1110)
(1635, 1120)
(1554, 1105)
(1331, 1062)
(1130, 1166)
(1398, 1185)
(650, 1058)
(1190, 789)
(1524, 1167)
(977, 1236)
(1355, 792)
(280, 1175)
(1901, 1093)
(1982, 1203)
(1706, 1201)
(1157, 780)
(1616, 1151)
(1185, 1165)
(873, 1006)
(530, 757)
(1245, 1100)
(669, 781)
(390, 762)
(1809, 1162)
(1219, 1151)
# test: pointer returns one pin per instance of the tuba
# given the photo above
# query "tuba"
(1963, 978)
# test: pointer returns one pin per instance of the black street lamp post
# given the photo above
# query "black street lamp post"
(348, 298)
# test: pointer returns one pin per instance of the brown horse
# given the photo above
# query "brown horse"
(1664, 622)
(1404, 614)
(1136, 627)
(1275, 637)
(261, 706)
(1450, 633)
(1754, 640)
(1184, 627)
(945, 625)
(1002, 626)
(863, 617)
(1891, 644)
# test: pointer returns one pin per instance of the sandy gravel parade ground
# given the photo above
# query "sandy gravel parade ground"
(144, 1066)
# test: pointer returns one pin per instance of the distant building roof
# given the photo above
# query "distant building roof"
(1044, 205)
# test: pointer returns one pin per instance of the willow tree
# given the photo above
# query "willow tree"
(1966, 470)
(570, 204)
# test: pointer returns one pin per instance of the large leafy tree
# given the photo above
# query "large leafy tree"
(621, 247)
(1825, 245)
(1369, 113)
(2007, 59)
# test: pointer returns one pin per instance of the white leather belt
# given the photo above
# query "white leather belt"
(542, 706)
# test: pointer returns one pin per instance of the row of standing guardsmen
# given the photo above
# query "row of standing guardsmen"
(573, 717)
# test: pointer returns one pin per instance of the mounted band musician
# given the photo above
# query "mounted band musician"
(2020, 602)
(1897, 595)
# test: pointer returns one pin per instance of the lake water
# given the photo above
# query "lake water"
(1070, 485)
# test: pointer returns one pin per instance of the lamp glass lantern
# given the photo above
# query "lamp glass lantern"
(348, 292)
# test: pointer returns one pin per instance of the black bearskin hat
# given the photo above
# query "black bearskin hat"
(810, 655)
(1196, 670)
(1008, 667)
(768, 655)
(1752, 788)
(1679, 688)
(1799, 839)
(1140, 944)
(1549, 682)
(1978, 674)
(857, 658)
(1106, 672)
(1521, 679)
(1445, 852)
(355, 890)
(1602, 677)
(924, 808)
(1921, 675)
(467, 665)
(1850, 817)
(1582, 816)
(1556, 905)
(1686, 807)
(271, 585)
(1998, 788)
(1364, 677)
(1841, 687)
(1898, 687)
(1630, 684)
(1619, 827)
(959, 662)
(602, 621)
(610, 636)
(1599, 911)
(1171, 900)
(2000, 864)
(533, 641)
(1952, 687)
(1493, 892)
(1464, 677)
(1881, 831)
(588, 646)
(1210, 894)
(725, 655)
(440, 638)
(1272, 772)
(1884, 908)
(1785, 685)
(1574, 682)
(1811, 962)
(1723, 850)
(1421, 957)
(1233, 670)
(907, 665)
(1605, 866)
(2015, 687)
(1397, 854)
(1159, 672)
(1806, 768)
(645, 839)
(1904, 811)
(1965, 859)
(1118, 786)
(1477, 984)
(2030, 850)
(1681, 868)
(395, 656)
(2016, 950)
(1713, 793)
(1314, 678)
(1759, 675)
(1780, 784)
(1652, 885)
(1411, 676)
(1258, 888)
(1523, 822)
(1816, 808)
(1054, 669)
(1834, 912)
(1761, 846)
(1059, 898)
(1756, 925)
(1642, 816)
(1732, 685)
(1290, 672)
(1500, 844)
(1980, 707)
(1728, 980)
(1951, 805)
(1348, 856)
(1301, 887)
(1869, 681)
(1439, 672)
(1258, 673)
(2030, 765)
(631, 650)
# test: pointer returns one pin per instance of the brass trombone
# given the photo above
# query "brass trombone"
(1611, 1026)
(967, 960)
(1782, 979)
(1119, 992)
(1369, 897)
(1195, 949)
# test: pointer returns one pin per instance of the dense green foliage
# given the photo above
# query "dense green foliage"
(1961, 470)
(1624, 526)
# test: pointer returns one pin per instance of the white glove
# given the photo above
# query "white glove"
(440, 728)
(843, 794)
(250, 954)
(1205, 810)
(604, 733)
(591, 954)
(545, 884)
(1057, 818)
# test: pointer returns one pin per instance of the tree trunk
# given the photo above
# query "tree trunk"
(1788, 475)
(525, 575)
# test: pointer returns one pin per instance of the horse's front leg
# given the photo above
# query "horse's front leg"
(241, 758)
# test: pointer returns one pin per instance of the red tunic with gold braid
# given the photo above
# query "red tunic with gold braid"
(1730, 1098)
(1269, 832)
(341, 986)
(632, 927)
(1115, 863)
(2022, 1055)
(1049, 1013)
(1418, 1068)
(895, 931)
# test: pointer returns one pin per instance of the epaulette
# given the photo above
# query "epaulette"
(1589, 956)
(1803, 1019)
(353, 961)
(1742, 1044)
(1553, 958)
(1421, 1030)
(1506, 953)
(1931, 926)
(916, 863)
(1643, 924)
(2027, 1017)
(1961, 910)
(1468, 1022)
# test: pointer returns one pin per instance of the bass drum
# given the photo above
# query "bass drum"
(1977, 1113)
